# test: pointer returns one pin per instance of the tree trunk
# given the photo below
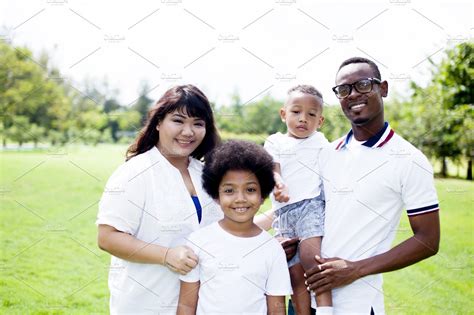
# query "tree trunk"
(444, 167)
(469, 169)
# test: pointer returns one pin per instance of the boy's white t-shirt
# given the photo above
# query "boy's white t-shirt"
(236, 273)
(298, 159)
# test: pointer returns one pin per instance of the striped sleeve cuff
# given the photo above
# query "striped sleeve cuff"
(422, 210)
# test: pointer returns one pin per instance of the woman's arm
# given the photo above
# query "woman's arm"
(188, 298)
(179, 259)
(264, 220)
(276, 305)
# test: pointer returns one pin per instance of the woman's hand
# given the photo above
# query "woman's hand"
(180, 259)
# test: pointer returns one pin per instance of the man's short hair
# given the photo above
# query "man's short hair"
(372, 65)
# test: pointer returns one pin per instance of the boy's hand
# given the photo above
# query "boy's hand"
(280, 192)
(181, 259)
(290, 245)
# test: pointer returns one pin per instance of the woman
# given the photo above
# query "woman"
(154, 200)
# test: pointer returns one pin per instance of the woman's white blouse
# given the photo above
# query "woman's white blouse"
(147, 198)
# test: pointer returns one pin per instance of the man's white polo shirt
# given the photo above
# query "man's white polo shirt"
(367, 186)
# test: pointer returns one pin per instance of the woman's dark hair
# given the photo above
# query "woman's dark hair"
(188, 100)
(237, 155)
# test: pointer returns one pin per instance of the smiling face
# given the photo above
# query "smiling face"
(240, 198)
(302, 114)
(180, 135)
(365, 111)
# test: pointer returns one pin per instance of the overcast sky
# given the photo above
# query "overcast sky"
(254, 48)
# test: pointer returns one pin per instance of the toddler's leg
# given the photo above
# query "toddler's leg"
(300, 298)
(308, 249)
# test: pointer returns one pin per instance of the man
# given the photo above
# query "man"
(370, 176)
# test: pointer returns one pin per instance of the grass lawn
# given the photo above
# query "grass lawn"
(50, 263)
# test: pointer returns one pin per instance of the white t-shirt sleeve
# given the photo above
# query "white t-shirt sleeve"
(123, 200)
(271, 146)
(418, 189)
(278, 282)
(194, 274)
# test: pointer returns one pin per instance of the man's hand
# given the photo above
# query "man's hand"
(290, 245)
(331, 273)
(181, 259)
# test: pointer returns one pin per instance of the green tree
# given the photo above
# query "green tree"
(27, 90)
(447, 108)
(143, 103)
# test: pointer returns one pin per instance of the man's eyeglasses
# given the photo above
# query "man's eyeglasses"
(362, 86)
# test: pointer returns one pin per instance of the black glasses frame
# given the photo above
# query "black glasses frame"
(353, 85)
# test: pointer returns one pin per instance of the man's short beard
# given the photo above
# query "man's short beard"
(360, 121)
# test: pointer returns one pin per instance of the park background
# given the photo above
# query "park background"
(77, 78)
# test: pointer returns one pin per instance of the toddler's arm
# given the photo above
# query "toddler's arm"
(188, 298)
(280, 192)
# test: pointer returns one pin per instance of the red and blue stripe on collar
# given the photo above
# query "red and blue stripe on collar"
(376, 141)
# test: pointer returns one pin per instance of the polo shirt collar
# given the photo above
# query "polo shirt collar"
(376, 141)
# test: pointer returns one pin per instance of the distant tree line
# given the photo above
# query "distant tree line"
(38, 105)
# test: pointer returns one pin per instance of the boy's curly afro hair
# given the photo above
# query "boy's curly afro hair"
(238, 155)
